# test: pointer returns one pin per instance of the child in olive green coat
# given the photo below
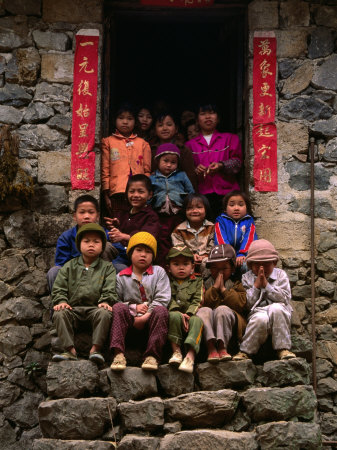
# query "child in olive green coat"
(186, 292)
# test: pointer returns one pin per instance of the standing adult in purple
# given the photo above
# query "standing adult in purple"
(217, 158)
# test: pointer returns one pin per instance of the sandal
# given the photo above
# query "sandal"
(213, 356)
(224, 355)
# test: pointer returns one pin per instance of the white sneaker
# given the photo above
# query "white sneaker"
(150, 363)
(187, 365)
(119, 362)
(176, 358)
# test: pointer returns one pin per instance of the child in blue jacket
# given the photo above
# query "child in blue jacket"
(236, 225)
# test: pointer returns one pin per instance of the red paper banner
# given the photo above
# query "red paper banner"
(84, 112)
(178, 3)
(264, 128)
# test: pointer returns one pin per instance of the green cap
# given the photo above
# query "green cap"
(180, 251)
(90, 227)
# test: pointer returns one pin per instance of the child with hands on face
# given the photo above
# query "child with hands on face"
(235, 226)
(186, 291)
(268, 300)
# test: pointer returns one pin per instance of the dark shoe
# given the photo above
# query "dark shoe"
(66, 356)
(97, 358)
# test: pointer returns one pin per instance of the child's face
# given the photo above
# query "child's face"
(192, 131)
(268, 267)
(181, 267)
(225, 267)
(167, 164)
(236, 207)
(166, 130)
(125, 123)
(86, 212)
(207, 121)
(195, 212)
(91, 245)
(138, 195)
(144, 119)
(141, 257)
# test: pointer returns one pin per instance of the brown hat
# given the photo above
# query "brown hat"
(261, 250)
(220, 253)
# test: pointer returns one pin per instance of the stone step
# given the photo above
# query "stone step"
(59, 444)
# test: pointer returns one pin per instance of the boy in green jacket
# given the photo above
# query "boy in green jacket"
(186, 292)
(85, 290)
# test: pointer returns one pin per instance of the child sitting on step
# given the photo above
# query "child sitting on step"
(144, 294)
(84, 290)
(186, 292)
(268, 299)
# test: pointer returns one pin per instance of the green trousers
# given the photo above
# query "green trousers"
(176, 332)
(66, 321)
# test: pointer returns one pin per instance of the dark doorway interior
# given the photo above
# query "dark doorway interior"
(179, 58)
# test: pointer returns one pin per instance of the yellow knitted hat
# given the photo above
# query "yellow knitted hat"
(143, 238)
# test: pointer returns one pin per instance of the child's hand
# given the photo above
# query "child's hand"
(214, 167)
(139, 322)
(200, 169)
(186, 320)
(111, 223)
(107, 200)
(197, 258)
(240, 260)
(222, 285)
(115, 235)
(142, 308)
(105, 306)
(261, 280)
(60, 306)
(218, 281)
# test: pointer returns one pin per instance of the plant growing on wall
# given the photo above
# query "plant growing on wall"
(13, 179)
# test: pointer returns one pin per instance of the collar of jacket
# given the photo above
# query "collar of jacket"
(160, 175)
(118, 135)
(200, 138)
(93, 264)
(247, 216)
(128, 271)
(191, 277)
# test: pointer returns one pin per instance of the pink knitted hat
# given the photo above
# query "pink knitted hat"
(261, 250)
(167, 148)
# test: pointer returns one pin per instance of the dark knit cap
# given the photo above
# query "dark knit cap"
(261, 250)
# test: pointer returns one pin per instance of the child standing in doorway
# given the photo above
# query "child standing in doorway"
(123, 155)
(144, 123)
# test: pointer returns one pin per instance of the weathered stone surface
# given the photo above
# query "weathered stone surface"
(143, 415)
(321, 43)
(323, 208)
(202, 409)
(7, 435)
(229, 374)
(299, 80)
(262, 15)
(292, 43)
(49, 40)
(72, 379)
(136, 442)
(26, 7)
(326, 386)
(325, 287)
(296, 435)
(325, 75)
(20, 229)
(131, 384)
(10, 115)
(76, 418)
(174, 382)
(49, 199)
(32, 284)
(327, 350)
(280, 403)
(88, 11)
(330, 153)
(307, 108)
(8, 393)
(301, 346)
(300, 176)
(14, 339)
(37, 112)
(46, 92)
(326, 332)
(292, 138)
(328, 261)
(61, 123)
(329, 423)
(327, 128)
(287, 67)
(22, 310)
(295, 13)
(18, 376)
(285, 373)
(5, 290)
(51, 228)
(14, 33)
(326, 16)
(33, 356)
(12, 267)
(172, 427)
(209, 440)
(57, 68)
(23, 412)
(58, 444)
(14, 95)
(24, 67)
(54, 168)
(40, 137)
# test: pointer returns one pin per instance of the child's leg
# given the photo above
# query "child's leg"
(122, 321)
(100, 319)
(256, 332)
(224, 321)
(51, 276)
(280, 321)
(158, 328)
(175, 332)
(194, 336)
(207, 317)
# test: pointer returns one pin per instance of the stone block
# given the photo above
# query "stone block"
(295, 435)
(10, 115)
(54, 168)
(53, 93)
(14, 95)
(173, 381)
(8, 393)
(59, 444)
(136, 442)
(292, 138)
(72, 379)
(330, 153)
(131, 384)
(327, 241)
(321, 43)
(50, 199)
(329, 423)
(61, 123)
(294, 13)
(227, 374)
(209, 440)
(326, 287)
(323, 208)
(12, 267)
(23, 412)
(7, 435)
(24, 67)
(49, 40)
(40, 137)
(76, 418)
(24, 311)
(202, 409)
(57, 68)
(299, 176)
(306, 108)
(292, 43)
(301, 346)
(326, 386)
(23, 7)
(299, 80)
(81, 11)
(326, 16)
(326, 128)
(328, 261)
(14, 339)
(325, 76)
(37, 112)
(51, 227)
(32, 284)
(285, 373)
(262, 15)
(280, 403)
(21, 229)
(144, 415)
(19, 377)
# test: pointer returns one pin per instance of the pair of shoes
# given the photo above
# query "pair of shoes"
(187, 365)
(97, 358)
(119, 362)
(150, 363)
(224, 355)
(241, 356)
(66, 356)
(176, 358)
(285, 354)
(213, 356)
